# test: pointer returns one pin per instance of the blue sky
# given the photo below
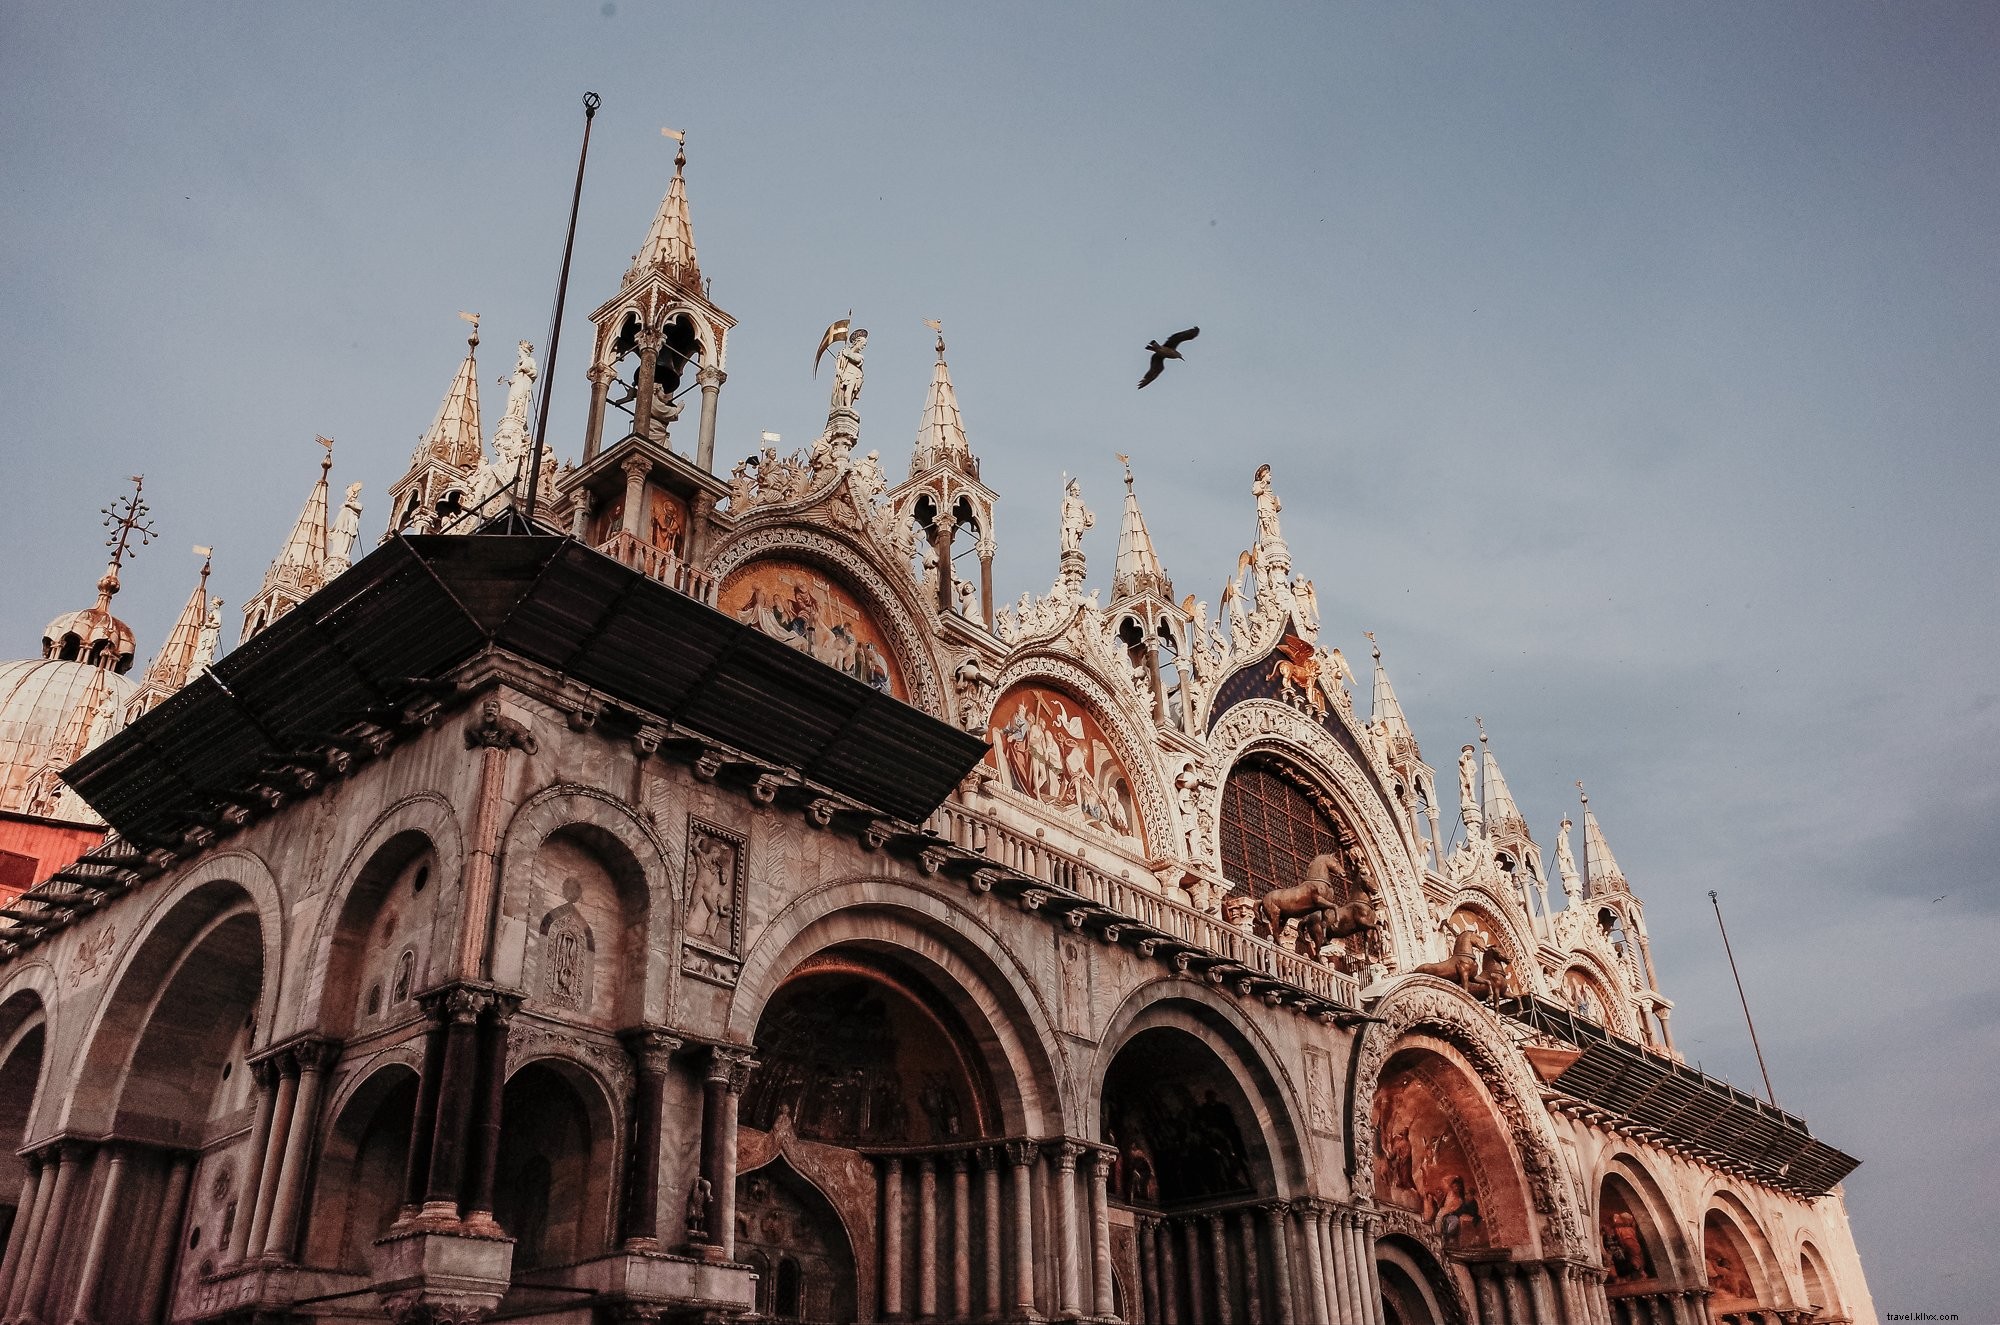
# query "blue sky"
(1628, 370)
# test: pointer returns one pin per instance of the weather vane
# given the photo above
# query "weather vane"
(125, 518)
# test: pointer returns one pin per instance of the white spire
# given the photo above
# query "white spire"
(1138, 570)
(304, 551)
(1600, 869)
(1496, 802)
(1385, 711)
(176, 660)
(670, 243)
(941, 434)
(454, 436)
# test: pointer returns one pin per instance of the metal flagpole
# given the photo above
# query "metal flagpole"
(591, 101)
(1770, 1094)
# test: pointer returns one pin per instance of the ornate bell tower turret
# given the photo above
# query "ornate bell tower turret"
(448, 455)
(639, 495)
(1619, 917)
(945, 497)
(1514, 848)
(1154, 631)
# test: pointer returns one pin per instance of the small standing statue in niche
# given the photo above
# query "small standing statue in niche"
(1468, 802)
(346, 529)
(701, 1197)
(1076, 517)
(847, 369)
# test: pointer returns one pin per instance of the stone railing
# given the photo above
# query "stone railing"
(1143, 903)
(657, 564)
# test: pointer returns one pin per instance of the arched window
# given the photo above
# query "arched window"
(1275, 819)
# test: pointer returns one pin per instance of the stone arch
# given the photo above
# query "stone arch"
(1661, 1229)
(1607, 989)
(891, 602)
(970, 967)
(1129, 740)
(1237, 1044)
(1734, 1244)
(358, 1180)
(556, 1189)
(1422, 1006)
(216, 939)
(1266, 725)
(1822, 1290)
(641, 875)
(1417, 1289)
(385, 845)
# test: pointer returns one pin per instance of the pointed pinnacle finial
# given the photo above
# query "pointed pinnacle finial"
(680, 151)
(1373, 648)
(1480, 723)
(473, 318)
(1581, 793)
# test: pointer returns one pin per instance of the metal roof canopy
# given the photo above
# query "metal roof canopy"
(1688, 1107)
(417, 607)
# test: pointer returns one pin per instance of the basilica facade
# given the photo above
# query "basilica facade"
(689, 895)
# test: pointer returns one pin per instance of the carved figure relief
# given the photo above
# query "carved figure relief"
(1625, 1254)
(1051, 748)
(715, 886)
(1585, 997)
(815, 614)
(1322, 1114)
(93, 955)
(568, 948)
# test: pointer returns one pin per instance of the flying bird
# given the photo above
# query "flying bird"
(1162, 353)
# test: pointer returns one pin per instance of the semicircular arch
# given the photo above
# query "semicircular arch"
(1603, 985)
(1514, 938)
(964, 961)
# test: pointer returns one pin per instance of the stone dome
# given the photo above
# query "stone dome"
(52, 710)
(91, 635)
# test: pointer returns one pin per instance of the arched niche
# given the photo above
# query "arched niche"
(1442, 1157)
(385, 940)
(1416, 1288)
(952, 952)
(816, 611)
(555, 1185)
(1185, 1132)
(1731, 1261)
(1054, 749)
(1479, 910)
(23, 1046)
(786, 1227)
(358, 1182)
(857, 1048)
(1818, 1282)
(1631, 1204)
(1583, 990)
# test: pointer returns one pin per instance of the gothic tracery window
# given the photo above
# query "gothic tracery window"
(1274, 821)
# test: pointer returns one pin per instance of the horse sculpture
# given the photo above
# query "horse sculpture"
(1495, 980)
(1462, 967)
(1317, 908)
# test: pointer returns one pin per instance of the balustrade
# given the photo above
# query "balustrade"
(660, 564)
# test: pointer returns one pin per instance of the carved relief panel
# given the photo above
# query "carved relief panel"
(713, 926)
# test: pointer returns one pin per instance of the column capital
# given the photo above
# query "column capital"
(989, 1158)
(1279, 1209)
(1213, 1219)
(1020, 1153)
(730, 1065)
(313, 1054)
(636, 466)
(960, 1161)
(650, 1047)
(1066, 1152)
(710, 377)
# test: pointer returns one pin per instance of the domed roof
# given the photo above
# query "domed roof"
(92, 635)
(51, 711)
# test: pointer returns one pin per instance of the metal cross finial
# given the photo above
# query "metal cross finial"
(125, 518)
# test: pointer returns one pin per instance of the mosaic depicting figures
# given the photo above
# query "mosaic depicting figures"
(1585, 997)
(1167, 1113)
(1421, 1165)
(1727, 1278)
(1052, 749)
(811, 612)
(1625, 1253)
(857, 1060)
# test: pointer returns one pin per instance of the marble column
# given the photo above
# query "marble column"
(1516, 1293)
(24, 1222)
(927, 1239)
(417, 1167)
(310, 1059)
(274, 1154)
(961, 1236)
(892, 1238)
(1149, 1272)
(70, 1157)
(488, 1093)
(989, 1168)
(1365, 1274)
(460, 1007)
(1253, 1266)
(642, 387)
(1542, 1301)
(1312, 1232)
(1170, 1279)
(722, 1090)
(1191, 1249)
(710, 380)
(1277, 1230)
(600, 377)
(1218, 1251)
(1105, 1303)
(652, 1053)
(1021, 1158)
(155, 1282)
(635, 468)
(91, 1273)
(1069, 1294)
(253, 1173)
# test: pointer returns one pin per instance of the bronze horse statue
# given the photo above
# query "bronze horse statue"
(1317, 908)
(1462, 967)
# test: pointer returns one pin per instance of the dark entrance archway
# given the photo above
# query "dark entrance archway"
(791, 1233)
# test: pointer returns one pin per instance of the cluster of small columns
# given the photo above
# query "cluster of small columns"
(1298, 1263)
(455, 1133)
(56, 1173)
(1774, 1316)
(1675, 1307)
(1000, 1221)
(289, 1079)
(1508, 1292)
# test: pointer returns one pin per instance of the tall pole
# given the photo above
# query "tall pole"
(591, 101)
(1769, 1094)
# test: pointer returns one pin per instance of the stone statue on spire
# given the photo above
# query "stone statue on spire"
(209, 640)
(1076, 517)
(1572, 883)
(520, 390)
(340, 538)
(847, 369)
(1267, 507)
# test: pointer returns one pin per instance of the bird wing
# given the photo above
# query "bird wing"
(1174, 341)
(1153, 370)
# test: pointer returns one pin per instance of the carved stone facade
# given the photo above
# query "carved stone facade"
(533, 1002)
